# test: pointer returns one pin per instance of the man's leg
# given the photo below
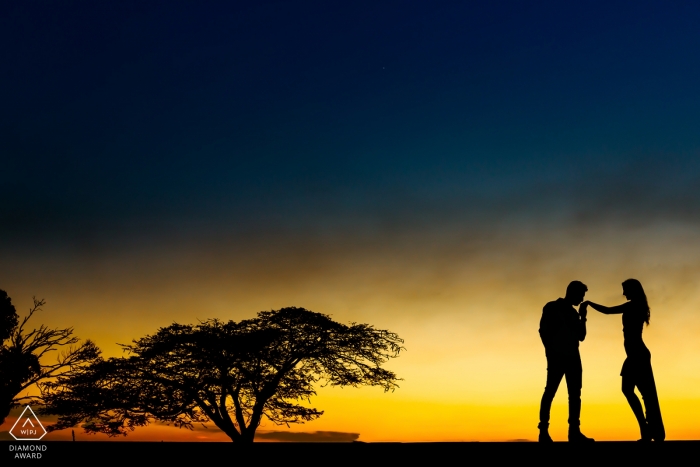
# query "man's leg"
(555, 372)
(574, 379)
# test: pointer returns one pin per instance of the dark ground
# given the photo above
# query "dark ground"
(607, 453)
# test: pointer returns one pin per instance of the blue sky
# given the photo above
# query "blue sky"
(190, 114)
(440, 169)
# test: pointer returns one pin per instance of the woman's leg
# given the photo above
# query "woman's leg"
(647, 387)
(628, 384)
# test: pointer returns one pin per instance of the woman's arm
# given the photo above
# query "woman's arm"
(609, 310)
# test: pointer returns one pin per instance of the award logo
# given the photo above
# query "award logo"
(28, 427)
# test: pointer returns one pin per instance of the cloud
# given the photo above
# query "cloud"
(287, 436)
(210, 428)
(635, 192)
(309, 437)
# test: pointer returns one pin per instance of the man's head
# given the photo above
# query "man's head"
(575, 292)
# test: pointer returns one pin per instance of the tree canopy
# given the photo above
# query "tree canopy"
(24, 355)
(233, 374)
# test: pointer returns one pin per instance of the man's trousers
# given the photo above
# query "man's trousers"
(561, 365)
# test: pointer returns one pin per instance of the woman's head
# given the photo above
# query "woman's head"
(632, 289)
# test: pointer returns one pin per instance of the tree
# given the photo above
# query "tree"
(23, 355)
(232, 374)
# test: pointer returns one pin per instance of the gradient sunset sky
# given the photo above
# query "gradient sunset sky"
(439, 169)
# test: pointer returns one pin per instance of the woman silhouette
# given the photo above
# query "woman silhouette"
(636, 371)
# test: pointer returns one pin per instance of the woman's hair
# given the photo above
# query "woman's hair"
(635, 293)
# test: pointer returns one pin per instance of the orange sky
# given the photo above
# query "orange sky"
(438, 169)
(468, 309)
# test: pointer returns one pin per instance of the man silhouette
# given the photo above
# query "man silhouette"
(561, 329)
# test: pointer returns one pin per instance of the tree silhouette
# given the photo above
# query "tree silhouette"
(232, 374)
(23, 355)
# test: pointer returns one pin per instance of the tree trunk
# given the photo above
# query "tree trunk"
(5, 403)
(4, 412)
(248, 435)
(236, 437)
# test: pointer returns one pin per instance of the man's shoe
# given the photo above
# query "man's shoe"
(544, 436)
(578, 437)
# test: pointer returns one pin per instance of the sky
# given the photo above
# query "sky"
(439, 169)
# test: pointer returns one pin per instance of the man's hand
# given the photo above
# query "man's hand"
(583, 310)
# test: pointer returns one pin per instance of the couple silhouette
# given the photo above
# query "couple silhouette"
(561, 329)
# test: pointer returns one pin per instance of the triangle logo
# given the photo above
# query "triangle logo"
(28, 427)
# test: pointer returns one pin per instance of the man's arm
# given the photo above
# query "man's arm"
(545, 327)
(582, 313)
(549, 328)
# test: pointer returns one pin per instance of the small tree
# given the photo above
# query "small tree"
(23, 355)
(232, 374)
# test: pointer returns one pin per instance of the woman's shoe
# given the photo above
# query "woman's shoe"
(646, 433)
(657, 433)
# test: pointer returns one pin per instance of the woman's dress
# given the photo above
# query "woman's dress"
(638, 361)
(637, 367)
